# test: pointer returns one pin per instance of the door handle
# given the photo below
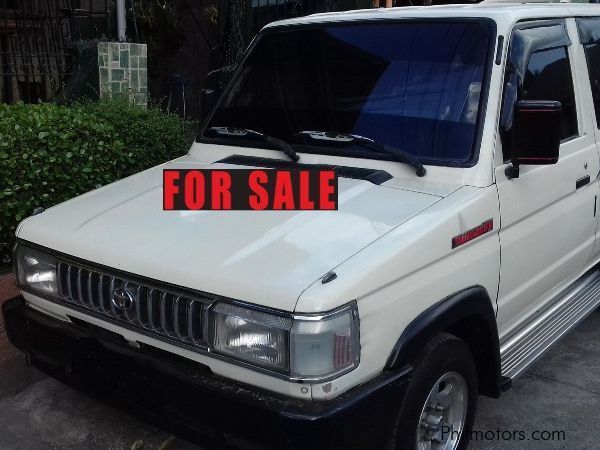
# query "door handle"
(582, 182)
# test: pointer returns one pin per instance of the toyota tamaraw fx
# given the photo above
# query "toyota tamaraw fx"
(465, 243)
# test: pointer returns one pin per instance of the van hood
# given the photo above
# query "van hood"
(263, 257)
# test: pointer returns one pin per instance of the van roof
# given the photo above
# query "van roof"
(498, 10)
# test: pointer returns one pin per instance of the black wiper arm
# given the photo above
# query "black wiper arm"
(348, 139)
(243, 133)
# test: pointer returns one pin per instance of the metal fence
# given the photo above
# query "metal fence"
(263, 12)
(241, 20)
(36, 43)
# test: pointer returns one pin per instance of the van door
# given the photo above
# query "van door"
(589, 36)
(547, 214)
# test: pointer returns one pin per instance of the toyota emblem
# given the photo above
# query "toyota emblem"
(123, 299)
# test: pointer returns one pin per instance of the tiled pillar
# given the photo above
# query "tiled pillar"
(124, 71)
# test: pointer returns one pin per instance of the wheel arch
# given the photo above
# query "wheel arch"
(468, 315)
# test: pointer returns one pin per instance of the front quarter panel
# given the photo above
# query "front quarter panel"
(408, 270)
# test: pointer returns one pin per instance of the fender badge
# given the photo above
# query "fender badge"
(473, 233)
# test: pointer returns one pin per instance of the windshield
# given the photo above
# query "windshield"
(415, 86)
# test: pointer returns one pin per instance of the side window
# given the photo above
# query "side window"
(592, 55)
(538, 68)
(549, 77)
(589, 35)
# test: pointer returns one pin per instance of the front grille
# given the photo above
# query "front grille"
(173, 315)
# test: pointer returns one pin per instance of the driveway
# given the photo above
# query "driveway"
(554, 406)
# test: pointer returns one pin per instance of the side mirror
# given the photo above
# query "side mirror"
(536, 134)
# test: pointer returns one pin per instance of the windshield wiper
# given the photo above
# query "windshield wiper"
(349, 139)
(243, 133)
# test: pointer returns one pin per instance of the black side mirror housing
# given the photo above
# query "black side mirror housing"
(536, 134)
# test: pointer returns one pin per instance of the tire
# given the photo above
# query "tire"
(448, 359)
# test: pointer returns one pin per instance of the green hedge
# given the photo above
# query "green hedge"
(50, 153)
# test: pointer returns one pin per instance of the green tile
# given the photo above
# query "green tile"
(136, 50)
(102, 60)
(134, 81)
(133, 62)
(114, 51)
(124, 58)
(143, 62)
(144, 49)
(143, 77)
(103, 76)
(117, 75)
(115, 87)
(102, 47)
(105, 89)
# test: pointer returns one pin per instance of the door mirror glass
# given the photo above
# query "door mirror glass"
(536, 134)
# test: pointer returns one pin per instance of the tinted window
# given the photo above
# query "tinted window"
(589, 35)
(592, 54)
(549, 77)
(416, 86)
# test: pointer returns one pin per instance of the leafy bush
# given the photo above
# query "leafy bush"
(50, 153)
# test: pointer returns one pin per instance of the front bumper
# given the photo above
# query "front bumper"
(185, 398)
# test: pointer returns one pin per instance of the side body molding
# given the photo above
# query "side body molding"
(469, 315)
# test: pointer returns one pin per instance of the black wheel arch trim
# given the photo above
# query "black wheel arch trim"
(471, 306)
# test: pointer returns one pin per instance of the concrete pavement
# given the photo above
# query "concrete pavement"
(560, 393)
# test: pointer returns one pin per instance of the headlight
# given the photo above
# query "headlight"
(307, 347)
(252, 336)
(36, 270)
